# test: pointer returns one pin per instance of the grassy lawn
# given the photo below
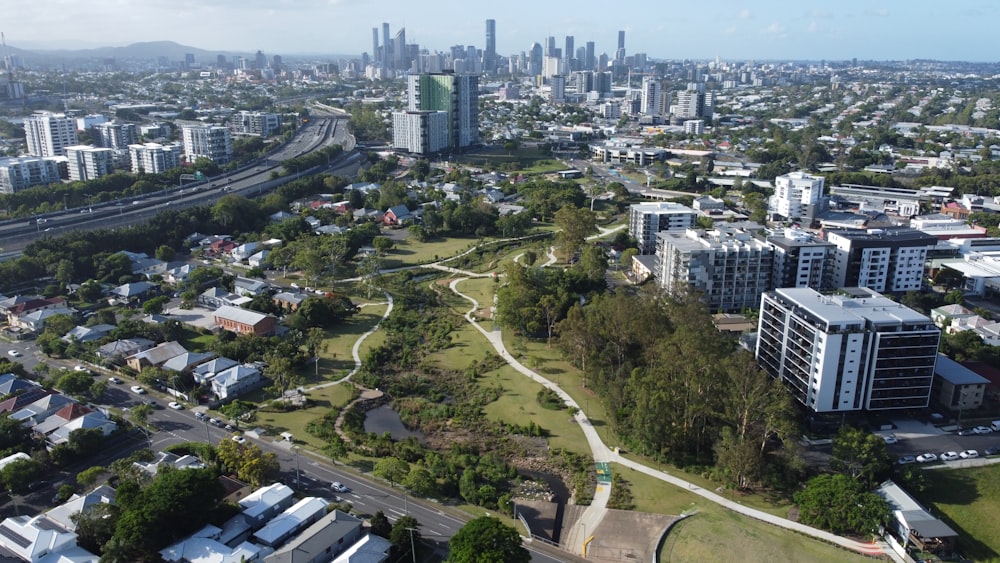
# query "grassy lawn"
(967, 500)
(714, 534)
(195, 341)
(527, 159)
(480, 289)
(410, 252)
(333, 397)
(336, 361)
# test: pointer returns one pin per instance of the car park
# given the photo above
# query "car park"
(138, 390)
(906, 459)
(175, 405)
(926, 458)
(983, 430)
(949, 456)
(339, 487)
(969, 454)
(114, 380)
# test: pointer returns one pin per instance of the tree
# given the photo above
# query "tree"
(420, 482)
(248, 461)
(392, 469)
(165, 253)
(382, 245)
(861, 455)
(96, 526)
(14, 434)
(155, 305)
(487, 540)
(88, 477)
(75, 383)
(575, 225)
(841, 504)
(404, 537)
(380, 525)
(315, 342)
(19, 474)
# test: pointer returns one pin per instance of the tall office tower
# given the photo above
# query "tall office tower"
(399, 58)
(458, 96)
(882, 259)
(220, 62)
(535, 60)
(154, 158)
(602, 62)
(208, 141)
(375, 51)
(568, 51)
(276, 63)
(87, 163)
(652, 89)
(557, 84)
(48, 134)
(849, 352)
(550, 46)
(490, 54)
(620, 53)
(260, 61)
(188, 60)
(386, 45)
(551, 66)
(581, 58)
(602, 82)
(589, 61)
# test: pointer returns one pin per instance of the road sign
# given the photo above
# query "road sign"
(603, 472)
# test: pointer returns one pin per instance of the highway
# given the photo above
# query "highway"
(250, 180)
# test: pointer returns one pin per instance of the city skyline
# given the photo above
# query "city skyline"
(890, 30)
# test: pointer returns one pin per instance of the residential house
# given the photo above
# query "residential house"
(82, 333)
(205, 372)
(35, 320)
(216, 297)
(156, 356)
(64, 514)
(957, 387)
(248, 287)
(134, 291)
(220, 247)
(258, 260)
(41, 409)
(281, 216)
(288, 301)
(291, 521)
(90, 421)
(329, 536)
(7, 304)
(179, 274)
(912, 525)
(946, 314)
(244, 251)
(32, 538)
(203, 547)
(10, 384)
(243, 321)
(988, 330)
(187, 360)
(148, 267)
(267, 502)
(120, 349)
(17, 307)
(397, 215)
(369, 549)
(171, 460)
(235, 381)
(60, 418)
(17, 402)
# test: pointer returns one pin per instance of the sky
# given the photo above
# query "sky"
(663, 29)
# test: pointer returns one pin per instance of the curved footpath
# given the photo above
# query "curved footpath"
(593, 515)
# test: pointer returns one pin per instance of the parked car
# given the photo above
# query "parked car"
(983, 430)
(214, 422)
(175, 405)
(926, 458)
(239, 439)
(14, 353)
(79, 368)
(906, 459)
(889, 438)
(339, 487)
(138, 390)
(969, 454)
(199, 414)
(114, 380)
(992, 450)
(967, 432)
(949, 456)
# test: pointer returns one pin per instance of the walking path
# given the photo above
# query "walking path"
(593, 515)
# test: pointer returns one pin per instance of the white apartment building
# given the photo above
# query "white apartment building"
(48, 134)
(647, 219)
(797, 196)
(853, 351)
(420, 132)
(23, 172)
(116, 135)
(257, 123)
(694, 126)
(801, 260)
(729, 268)
(886, 260)
(652, 91)
(208, 141)
(153, 158)
(88, 163)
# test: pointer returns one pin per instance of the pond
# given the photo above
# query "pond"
(384, 419)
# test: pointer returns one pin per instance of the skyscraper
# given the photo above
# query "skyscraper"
(652, 89)
(386, 45)
(490, 54)
(399, 59)
(535, 60)
(589, 63)
(620, 53)
(48, 134)
(457, 95)
(568, 51)
(550, 46)
(375, 53)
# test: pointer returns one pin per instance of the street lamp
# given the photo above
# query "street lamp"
(298, 481)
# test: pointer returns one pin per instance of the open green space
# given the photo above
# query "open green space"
(530, 160)
(411, 252)
(967, 500)
(714, 534)
(332, 397)
(480, 289)
(336, 360)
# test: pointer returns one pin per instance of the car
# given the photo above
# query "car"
(983, 430)
(14, 353)
(114, 380)
(906, 459)
(969, 454)
(889, 438)
(229, 427)
(926, 458)
(214, 422)
(967, 432)
(992, 450)
(138, 390)
(214, 184)
(339, 487)
(40, 221)
(949, 456)
(199, 414)
(239, 439)
(150, 403)
(79, 368)
(175, 405)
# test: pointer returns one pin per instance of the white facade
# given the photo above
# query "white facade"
(116, 135)
(647, 219)
(208, 141)
(886, 260)
(694, 126)
(49, 134)
(850, 352)
(261, 124)
(153, 158)
(797, 195)
(87, 163)
(23, 172)
(652, 90)
(420, 132)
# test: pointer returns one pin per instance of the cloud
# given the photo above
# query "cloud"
(775, 29)
(744, 15)
(878, 12)
(820, 13)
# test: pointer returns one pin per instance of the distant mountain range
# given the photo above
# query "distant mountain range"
(136, 51)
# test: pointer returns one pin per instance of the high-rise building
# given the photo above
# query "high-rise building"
(115, 135)
(797, 197)
(399, 59)
(490, 54)
(647, 219)
(857, 350)
(801, 260)
(590, 62)
(420, 132)
(620, 53)
(568, 51)
(652, 90)
(550, 46)
(456, 95)
(256, 123)
(728, 268)
(87, 163)
(48, 134)
(23, 172)
(154, 158)
(557, 85)
(891, 259)
(693, 104)
(386, 45)
(583, 81)
(260, 61)
(208, 141)
(376, 54)
(535, 60)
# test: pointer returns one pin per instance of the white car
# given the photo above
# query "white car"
(114, 380)
(926, 458)
(969, 454)
(79, 368)
(14, 353)
(239, 439)
(175, 405)
(138, 390)
(949, 456)
(338, 487)
(982, 430)
(889, 438)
